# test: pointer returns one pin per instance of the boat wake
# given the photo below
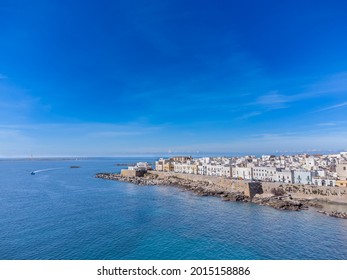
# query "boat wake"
(43, 170)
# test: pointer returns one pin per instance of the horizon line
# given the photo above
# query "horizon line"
(201, 154)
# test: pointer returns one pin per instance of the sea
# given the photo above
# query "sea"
(66, 213)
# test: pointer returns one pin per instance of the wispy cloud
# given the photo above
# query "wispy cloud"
(114, 134)
(333, 85)
(249, 115)
(344, 104)
(327, 124)
(273, 100)
(336, 83)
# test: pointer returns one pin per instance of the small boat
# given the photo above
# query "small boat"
(32, 173)
(74, 166)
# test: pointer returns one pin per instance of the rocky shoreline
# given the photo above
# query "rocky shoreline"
(207, 188)
(335, 214)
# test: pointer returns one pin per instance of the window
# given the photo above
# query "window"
(344, 168)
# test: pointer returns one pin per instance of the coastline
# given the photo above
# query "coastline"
(231, 190)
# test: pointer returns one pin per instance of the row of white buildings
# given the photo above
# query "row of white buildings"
(320, 170)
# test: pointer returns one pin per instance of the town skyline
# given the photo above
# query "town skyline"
(123, 78)
(319, 170)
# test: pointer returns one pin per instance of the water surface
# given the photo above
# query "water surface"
(68, 214)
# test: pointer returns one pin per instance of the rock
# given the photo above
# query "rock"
(337, 214)
(203, 188)
(281, 203)
(312, 203)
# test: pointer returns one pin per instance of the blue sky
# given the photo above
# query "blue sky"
(107, 78)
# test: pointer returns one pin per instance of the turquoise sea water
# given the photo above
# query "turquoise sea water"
(68, 214)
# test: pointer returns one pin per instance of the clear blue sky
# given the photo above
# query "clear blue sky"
(106, 78)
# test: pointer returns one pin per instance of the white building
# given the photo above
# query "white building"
(341, 170)
(300, 169)
(321, 173)
(227, 171)
(188, 167)
(214, 170)
(242, 172)
(141, 166)
(159, 164)
(310, 162)
(205, 160)
(302, 177)
(322, 182)
(202, 169)
(264, 173)
(284, 176)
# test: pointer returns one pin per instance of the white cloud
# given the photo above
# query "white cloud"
(114, 134)
(336, 83)
(327, 124)
(249, 115)
(344, 104)
(273, 100)
(333, 85)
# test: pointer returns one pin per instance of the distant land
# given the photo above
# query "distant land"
(172, 154)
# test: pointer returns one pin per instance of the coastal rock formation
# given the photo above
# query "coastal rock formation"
(310, 192)
(281, 202)
(202, 188)
(335, 214)
(282, 197)
(208, 188)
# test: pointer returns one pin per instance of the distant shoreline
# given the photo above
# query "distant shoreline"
(43, 159)
(69, 158)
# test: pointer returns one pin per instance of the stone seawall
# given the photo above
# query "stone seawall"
(224, 188)
(250, 189)
(223, 183)
(329, 194)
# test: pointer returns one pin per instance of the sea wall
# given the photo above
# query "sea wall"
(250, 189)
(276, 195)
(330, 194)
(223, 183)
(132, 173)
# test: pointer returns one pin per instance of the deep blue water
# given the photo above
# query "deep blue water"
(68, 214)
